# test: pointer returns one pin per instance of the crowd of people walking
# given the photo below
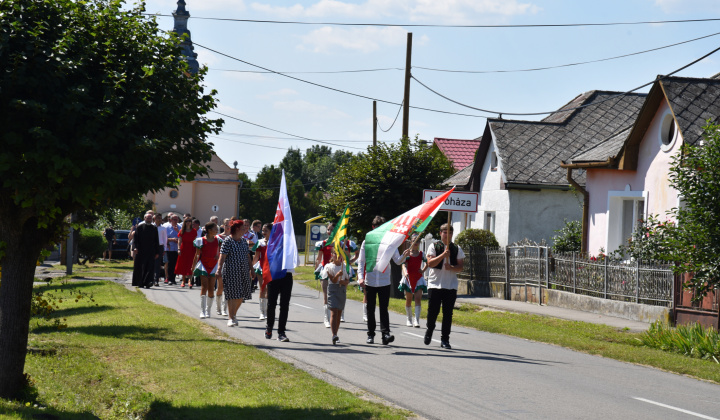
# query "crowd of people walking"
(229, 262)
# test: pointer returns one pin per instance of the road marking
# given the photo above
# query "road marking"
(702, 416)
(302, 306)
(422, 336)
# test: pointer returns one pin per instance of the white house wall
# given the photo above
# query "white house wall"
(536, 215)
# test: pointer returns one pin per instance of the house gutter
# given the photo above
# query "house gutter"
(586, 210)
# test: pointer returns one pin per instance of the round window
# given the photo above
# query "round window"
(174, 194)
(668, 132)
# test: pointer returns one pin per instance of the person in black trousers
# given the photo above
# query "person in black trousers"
(445, 261)
(278, 287)
(145, 244)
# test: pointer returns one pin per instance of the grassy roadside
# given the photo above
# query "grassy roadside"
(589, 338)
(122, 356)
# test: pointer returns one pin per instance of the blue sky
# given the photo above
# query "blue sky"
(298, 108)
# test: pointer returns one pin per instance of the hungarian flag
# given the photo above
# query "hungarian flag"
(282, 253)
(339, 235)
(382, 242)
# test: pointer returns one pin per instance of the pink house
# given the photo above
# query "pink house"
(627, 174)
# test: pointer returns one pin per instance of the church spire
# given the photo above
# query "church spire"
(181, 17)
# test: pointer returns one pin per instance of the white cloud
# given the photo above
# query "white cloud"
(277, 93)
(304, 107)
(688, 6)
(364, 40)
(445, 11)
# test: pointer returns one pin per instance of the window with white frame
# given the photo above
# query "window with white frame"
(626, 209)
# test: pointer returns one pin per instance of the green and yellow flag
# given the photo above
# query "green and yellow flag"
(339, 235)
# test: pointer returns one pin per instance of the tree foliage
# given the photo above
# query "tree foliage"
(387, 180)
(95, 106)
(695, 243)
(568, 238)
(476, 238)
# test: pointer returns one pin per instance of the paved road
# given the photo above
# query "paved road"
(486, 376)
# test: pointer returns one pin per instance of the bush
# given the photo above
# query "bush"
(92, 244)
(476, 238)
(568, 239)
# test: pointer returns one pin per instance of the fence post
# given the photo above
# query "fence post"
(507, 273)
(574, 273)
(539, 273)
(637, 281)
(547, 268)
(487, 264)
(605, 277)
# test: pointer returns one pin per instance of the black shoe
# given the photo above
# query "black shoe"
(283, 338)
(445, 344)
(428, 337)
(370, 340)
(335, 339)
(268, 335)
(387, 339)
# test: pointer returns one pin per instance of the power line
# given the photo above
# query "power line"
(565, 109)
(291, 138)
(278, 186)
(248, 143)
(329, 88)
(309, 72)
(420, 25)
(396, 117)
(288, 134)
(569, 64)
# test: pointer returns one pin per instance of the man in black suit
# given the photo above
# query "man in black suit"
(146, 244)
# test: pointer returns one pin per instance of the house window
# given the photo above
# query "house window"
(489, 223)
(626, 211)
(493, 161)
(668, 132)
(174, 193)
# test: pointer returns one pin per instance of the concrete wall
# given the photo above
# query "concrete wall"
(627, 310)
(536, 215)
(651, 180)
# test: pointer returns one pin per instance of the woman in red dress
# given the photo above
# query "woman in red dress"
(186, 252)
(413, 283)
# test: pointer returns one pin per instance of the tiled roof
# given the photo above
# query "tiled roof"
(531, 151)
(693, 101)
(460, 152)
(601, 152)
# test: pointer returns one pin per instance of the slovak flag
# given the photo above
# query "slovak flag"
(282, 253)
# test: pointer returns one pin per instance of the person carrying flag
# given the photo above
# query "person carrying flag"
(324, 248)
(282, 258)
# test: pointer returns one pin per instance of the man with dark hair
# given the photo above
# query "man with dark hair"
(445, 260)
(145, 244)
(377, 284)
(110, 238)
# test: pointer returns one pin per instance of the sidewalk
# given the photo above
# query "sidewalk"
(553, 311)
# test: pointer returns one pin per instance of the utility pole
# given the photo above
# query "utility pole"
(406, 96)
(374, 123)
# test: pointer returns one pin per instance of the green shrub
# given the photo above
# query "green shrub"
(568, 239)
(92, 244)
(690, 340)
(476, 238)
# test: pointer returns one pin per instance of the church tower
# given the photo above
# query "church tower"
(181, 17)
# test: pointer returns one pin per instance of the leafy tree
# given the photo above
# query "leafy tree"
(95, 106)
(695, 243)
(476, 238)
(387, 180)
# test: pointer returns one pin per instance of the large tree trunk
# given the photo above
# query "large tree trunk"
(23, 242)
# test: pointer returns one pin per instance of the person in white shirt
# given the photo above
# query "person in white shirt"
(444, 262)
(377, 284)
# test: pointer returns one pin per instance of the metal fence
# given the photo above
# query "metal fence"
(641, 282)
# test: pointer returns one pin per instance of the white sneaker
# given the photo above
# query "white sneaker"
(202, 315)
(327, 323)
(224, 308)
(416, 323)
(262, 316)
(231, 323)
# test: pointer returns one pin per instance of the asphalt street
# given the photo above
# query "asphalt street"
(484, 376)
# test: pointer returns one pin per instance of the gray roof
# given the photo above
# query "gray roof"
(531, 151)
(461, 178)
(693, 101)
(601, 152)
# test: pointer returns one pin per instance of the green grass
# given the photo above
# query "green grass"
(600, 340)
(125, 357)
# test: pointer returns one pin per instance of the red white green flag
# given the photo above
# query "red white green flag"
(380, 244)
